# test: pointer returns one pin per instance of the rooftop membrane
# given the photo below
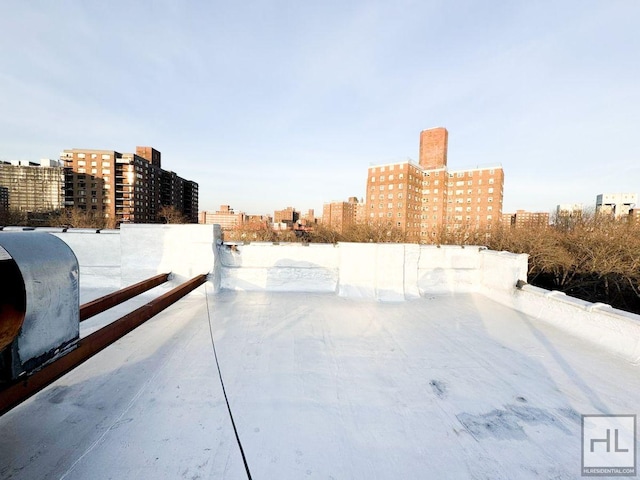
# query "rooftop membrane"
(339, 362)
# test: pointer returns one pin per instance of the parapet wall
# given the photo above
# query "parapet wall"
(597, 323)
(386, 272)
(113, 259)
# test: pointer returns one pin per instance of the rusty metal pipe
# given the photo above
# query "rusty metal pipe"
(106, 302)
(92, 344)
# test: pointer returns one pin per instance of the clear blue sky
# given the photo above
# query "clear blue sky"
(268, 104)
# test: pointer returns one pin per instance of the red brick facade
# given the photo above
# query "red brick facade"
(423, 202)
(433, 148)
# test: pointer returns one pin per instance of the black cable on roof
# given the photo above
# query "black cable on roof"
(226, 399)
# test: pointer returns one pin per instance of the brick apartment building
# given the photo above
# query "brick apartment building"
(426, 199)
(226, 217)
(129, 187)
(524, 219)
(340, 216)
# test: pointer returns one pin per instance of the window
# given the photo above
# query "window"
(81, 155)
(490, 190)
(106, 157)
(390, 195)
(401, 176)
(373, 179)
(391, 187)
(390, 177)
(382, 178)
(381, 187)
(491, 180)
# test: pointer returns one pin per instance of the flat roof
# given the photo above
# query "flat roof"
(322, 386)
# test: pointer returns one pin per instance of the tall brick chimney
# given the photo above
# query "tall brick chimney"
(433, 148)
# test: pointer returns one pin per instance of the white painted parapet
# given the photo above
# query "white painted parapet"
(372, 270)
(500, 271)
(385, 271)
(614, 330)
(449, 269)
(113, 259)
(185, 250)
(281, 267)
(98, 255)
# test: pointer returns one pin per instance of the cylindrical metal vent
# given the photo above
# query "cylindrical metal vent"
(39, 299)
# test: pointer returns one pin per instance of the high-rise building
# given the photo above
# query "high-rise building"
(32, 187)
(340, 216)
(524, 219)
(424, 200)
(129, 187)
(617, 205)
(287, 216)
(225, 217)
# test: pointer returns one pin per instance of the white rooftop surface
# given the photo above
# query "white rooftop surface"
(326, 385)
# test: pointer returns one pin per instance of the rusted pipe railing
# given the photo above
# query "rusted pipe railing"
(101, 304)
(90, 345)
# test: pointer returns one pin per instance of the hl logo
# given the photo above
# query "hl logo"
(607, 441)
(608, 445)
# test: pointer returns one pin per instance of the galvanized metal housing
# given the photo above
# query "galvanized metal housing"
(39, 300)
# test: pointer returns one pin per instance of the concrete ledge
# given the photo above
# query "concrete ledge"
(279, 267)
(615, 330)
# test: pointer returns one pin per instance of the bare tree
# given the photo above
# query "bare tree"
(170, 214)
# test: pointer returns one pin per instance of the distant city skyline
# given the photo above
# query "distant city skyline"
(280, 104)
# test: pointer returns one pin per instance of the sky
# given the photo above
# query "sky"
(270, 104)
